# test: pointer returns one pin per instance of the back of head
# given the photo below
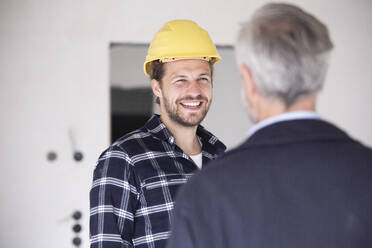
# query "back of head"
(287, 51)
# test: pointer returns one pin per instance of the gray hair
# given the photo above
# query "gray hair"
(287, 51)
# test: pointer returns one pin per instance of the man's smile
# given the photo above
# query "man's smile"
(191, 105)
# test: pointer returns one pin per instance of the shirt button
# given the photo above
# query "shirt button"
(171, 140)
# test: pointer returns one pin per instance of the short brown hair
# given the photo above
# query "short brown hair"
(157, 72)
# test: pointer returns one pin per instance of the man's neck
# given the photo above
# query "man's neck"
(186, 138)
(273, 108)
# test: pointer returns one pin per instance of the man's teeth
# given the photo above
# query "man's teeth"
(191, 104)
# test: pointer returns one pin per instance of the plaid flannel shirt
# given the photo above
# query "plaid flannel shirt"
(135, 183)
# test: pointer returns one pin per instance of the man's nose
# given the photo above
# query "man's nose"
(194, 88)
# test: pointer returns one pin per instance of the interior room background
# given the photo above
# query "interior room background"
(61, 61)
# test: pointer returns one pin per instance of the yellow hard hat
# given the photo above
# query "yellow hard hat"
(180, 39)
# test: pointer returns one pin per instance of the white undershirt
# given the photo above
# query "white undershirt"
(198, 159)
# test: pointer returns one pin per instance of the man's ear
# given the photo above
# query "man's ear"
(249, 84)
(156, 88)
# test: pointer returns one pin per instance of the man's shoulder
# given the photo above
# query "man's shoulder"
(131, 138)
(270, 150)
(130, 144)
(152, 130)
(314, 139)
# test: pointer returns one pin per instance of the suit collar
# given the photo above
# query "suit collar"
(295, 115)
(292, 131)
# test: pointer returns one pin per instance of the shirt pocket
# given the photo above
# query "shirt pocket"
(160, 190)
(168, 180)
(159, 193)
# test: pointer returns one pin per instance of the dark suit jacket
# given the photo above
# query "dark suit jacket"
(293, 184)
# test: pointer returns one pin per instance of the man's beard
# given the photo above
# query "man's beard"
(192, 119)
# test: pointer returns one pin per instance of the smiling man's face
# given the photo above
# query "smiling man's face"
(185, 91)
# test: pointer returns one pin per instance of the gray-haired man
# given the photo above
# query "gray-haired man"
(297, 181)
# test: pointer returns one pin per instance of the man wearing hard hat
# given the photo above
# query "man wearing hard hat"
(137, 178)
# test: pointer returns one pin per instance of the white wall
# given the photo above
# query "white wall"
(54, 76)
(53, 60)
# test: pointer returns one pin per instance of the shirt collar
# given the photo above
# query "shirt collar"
(296, 115)
(210, 142)
(158, 129)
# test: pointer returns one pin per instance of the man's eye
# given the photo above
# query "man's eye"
(204, 79)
